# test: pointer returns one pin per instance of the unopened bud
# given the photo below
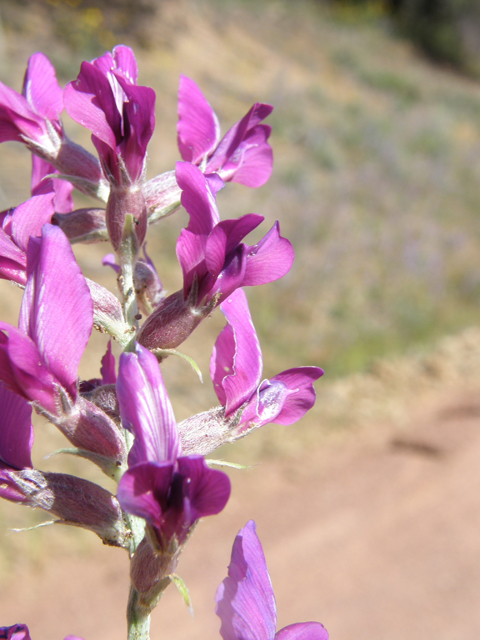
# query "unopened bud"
(126, 200)
(75, 501)
(162, 195)
(83, 225)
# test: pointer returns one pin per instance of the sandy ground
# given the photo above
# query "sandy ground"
(376, 537)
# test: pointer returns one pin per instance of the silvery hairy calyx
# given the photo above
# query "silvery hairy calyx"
(123, 421)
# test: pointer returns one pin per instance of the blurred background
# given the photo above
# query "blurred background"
(376, 139)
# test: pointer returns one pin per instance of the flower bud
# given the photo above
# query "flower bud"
(75, 501)
(83, 225)
(126, 200)
(173, 321)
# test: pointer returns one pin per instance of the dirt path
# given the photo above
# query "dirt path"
(378, 538)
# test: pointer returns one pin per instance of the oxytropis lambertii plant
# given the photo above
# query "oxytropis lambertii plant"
(123, 421)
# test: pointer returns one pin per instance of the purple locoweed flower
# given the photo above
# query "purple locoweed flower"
(170, 491)
(214, 261)
(236, 370)
(33, 117)
(39, 360)
(245, 599)
(106, 99)
(242, 155)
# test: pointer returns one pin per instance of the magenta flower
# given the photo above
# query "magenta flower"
(236, 371)
(105, 98)
(42, 355)
(33, 117)
(39, 360)
(242, 155)
(17, 226)
(171, 492)
(214, 261)
(245, 599)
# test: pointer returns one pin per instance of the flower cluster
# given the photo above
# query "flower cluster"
(123, 420)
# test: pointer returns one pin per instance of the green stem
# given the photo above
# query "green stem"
(127, 256)
(138, 619)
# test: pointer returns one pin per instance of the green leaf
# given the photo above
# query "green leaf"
(223, 463)
(182, 588)
(163, 353)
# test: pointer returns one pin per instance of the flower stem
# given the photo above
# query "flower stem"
(138, 619)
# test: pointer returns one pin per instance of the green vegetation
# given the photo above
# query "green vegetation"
(377, 173)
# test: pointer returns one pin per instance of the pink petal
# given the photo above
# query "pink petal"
(198, 127)
(16, 430)
(145, 408)
(41, 89)
(237, 357)
(245, 599)
(57, 308)
(303, 631)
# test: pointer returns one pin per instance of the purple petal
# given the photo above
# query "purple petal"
(17, 118)
(256, 166)
(110, 261)
(107, 370)
(225, 237)
(125, 62)
(197, 198)
(244, 154)
(29, 218)
(198, 127)
(16, 430)
(41, 89)
(302, 394)
(208, 489)
(143, 490)
(57, 308)
(40, 185)
(191, 256)
(15, 632)
(145, 408)
(22, 370)
(138, 125)
(90, 102)
(13, 261)
(236, 365)
(303, 631)
(270, 259)
(245, 599)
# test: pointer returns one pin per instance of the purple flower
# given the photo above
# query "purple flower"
(105, 98)
(171, 492)
(33, 117)
(17, 226)
(245, 599)
(242, 155)
(214, 261)
(236, 371)
(42, 355)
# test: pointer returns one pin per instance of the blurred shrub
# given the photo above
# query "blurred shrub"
(447, 30)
